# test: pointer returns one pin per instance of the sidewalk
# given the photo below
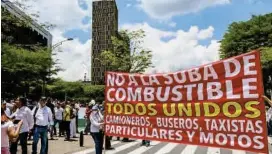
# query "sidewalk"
(59, 146)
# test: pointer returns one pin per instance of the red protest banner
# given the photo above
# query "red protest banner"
(216, 105)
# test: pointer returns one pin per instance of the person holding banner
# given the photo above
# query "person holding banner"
(269, 115)
(97, 129)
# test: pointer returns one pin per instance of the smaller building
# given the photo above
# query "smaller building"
(32, 34)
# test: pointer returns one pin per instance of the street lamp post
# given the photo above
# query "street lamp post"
(52, 49)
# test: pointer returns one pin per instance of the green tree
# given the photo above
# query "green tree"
(23, 70)
(26, 65)
(128, 53)
(244, 36)
(75, 90)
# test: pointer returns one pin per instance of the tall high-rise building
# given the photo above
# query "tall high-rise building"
(104, 26)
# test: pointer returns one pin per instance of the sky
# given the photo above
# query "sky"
(181, 33)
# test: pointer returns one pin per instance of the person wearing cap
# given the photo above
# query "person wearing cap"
(43, 118)
(25, 114)
(97, 129)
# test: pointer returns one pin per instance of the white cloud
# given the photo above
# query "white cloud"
(172, 24)
(73, 57)
(66, 15)
(128, 5)
(181, 51)
(165, 9)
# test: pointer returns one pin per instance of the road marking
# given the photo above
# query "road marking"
(167, 148)
(213, 150)
(122, 147)
(143, 148)
(190, 149)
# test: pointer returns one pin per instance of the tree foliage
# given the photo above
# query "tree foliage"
(75, 90)
(26, 64)
(242, 37)
(22, 69)
(128, 53)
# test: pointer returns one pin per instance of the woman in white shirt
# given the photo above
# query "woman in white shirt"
(97, 129)
(8, 131)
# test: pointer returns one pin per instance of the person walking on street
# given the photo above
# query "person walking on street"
(8, 131)
(97, 129)
(73, 121)
(58, 119)
(51, 106)
(268, 115)
(25, 114)
(87, 118)
(67, 114)
(43, 118)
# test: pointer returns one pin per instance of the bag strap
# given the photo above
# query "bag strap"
(35, 112)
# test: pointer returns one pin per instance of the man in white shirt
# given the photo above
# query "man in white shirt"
(42, 117)
(22, 113)
(58, 119)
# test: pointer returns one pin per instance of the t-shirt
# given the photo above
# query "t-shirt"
(58, 112)
(4, 133)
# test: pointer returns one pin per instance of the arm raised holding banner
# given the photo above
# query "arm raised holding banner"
(268, 100)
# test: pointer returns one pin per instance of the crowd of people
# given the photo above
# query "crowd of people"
(19, 123)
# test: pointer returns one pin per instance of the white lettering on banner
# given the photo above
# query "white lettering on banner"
(120, 80)
(229, 90)
(177, 93)
(189, 91)
(248, 64)
(194, 75)
(228, 72)
(169, 80)
(134, 96)
(108, 95)
(200, 91)
(110, 80)
(163, 97)
(190, 135)
(153, 79)
(132, 81)
(247, 88)
(217, 90)
(120, 94)
(182, 78)
(149, 94)
(243, 140)
(143, 81)
(209, 72)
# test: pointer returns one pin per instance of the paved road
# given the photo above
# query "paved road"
(163, 148)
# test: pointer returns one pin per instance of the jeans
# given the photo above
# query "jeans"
(98, 140)
(23, 141)
(66, 126)
(40, 132)
(59, 122)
